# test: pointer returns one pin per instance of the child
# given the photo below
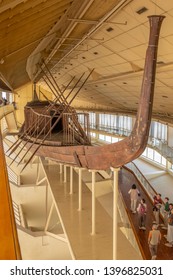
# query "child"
(154, 238)
(142, 210)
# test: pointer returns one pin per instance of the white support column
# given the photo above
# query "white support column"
(80, 189)
(115, 210)
(71, 179)
(38, 172)
(60, 168)
(49, 216)
(80, 186)
(93, 202)
(65, 173)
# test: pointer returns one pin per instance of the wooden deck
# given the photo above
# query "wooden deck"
(9, 247)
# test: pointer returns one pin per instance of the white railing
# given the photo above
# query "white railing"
(5, 110)
(13, 176)
(12, 156)
(16, 213)
(144, 182)
(127, 226)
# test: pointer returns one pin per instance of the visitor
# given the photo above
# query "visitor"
(142, 210)
(154, 238)
(166, 213)
(134, 193)
(170, 230)
(157, 203)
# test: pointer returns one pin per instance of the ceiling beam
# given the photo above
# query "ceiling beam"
(120, 5)
(11, 5)
(114, 77)
(3, 79)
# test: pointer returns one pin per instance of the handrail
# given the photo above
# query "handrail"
(135, 241)
(156, 144)
(130, 164)
(9, 243)
(5, 110)
(16, 212)
(144, 182)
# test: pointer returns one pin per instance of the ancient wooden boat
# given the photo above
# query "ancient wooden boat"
(53, 130)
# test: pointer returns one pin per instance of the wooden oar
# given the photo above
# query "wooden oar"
(29, 129)
(79, 127)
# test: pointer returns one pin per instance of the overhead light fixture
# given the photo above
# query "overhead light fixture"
(1, 61)
(142, 10)
(160, 62)
(109, 29)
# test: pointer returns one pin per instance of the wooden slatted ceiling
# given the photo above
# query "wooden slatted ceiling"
(26, 27)
(95, 12)
(22, 27)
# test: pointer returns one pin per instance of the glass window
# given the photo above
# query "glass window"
(4, 94)
(164, 161)
(108, 139)
(93, 134)
(157, 157)
(145, 153)
(114, 139)
(101, 137)
(92, 119)
(150, 153)
(158, 131)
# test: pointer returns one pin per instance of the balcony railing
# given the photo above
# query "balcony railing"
(144, 182)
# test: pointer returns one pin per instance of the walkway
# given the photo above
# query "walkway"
(126, 179)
